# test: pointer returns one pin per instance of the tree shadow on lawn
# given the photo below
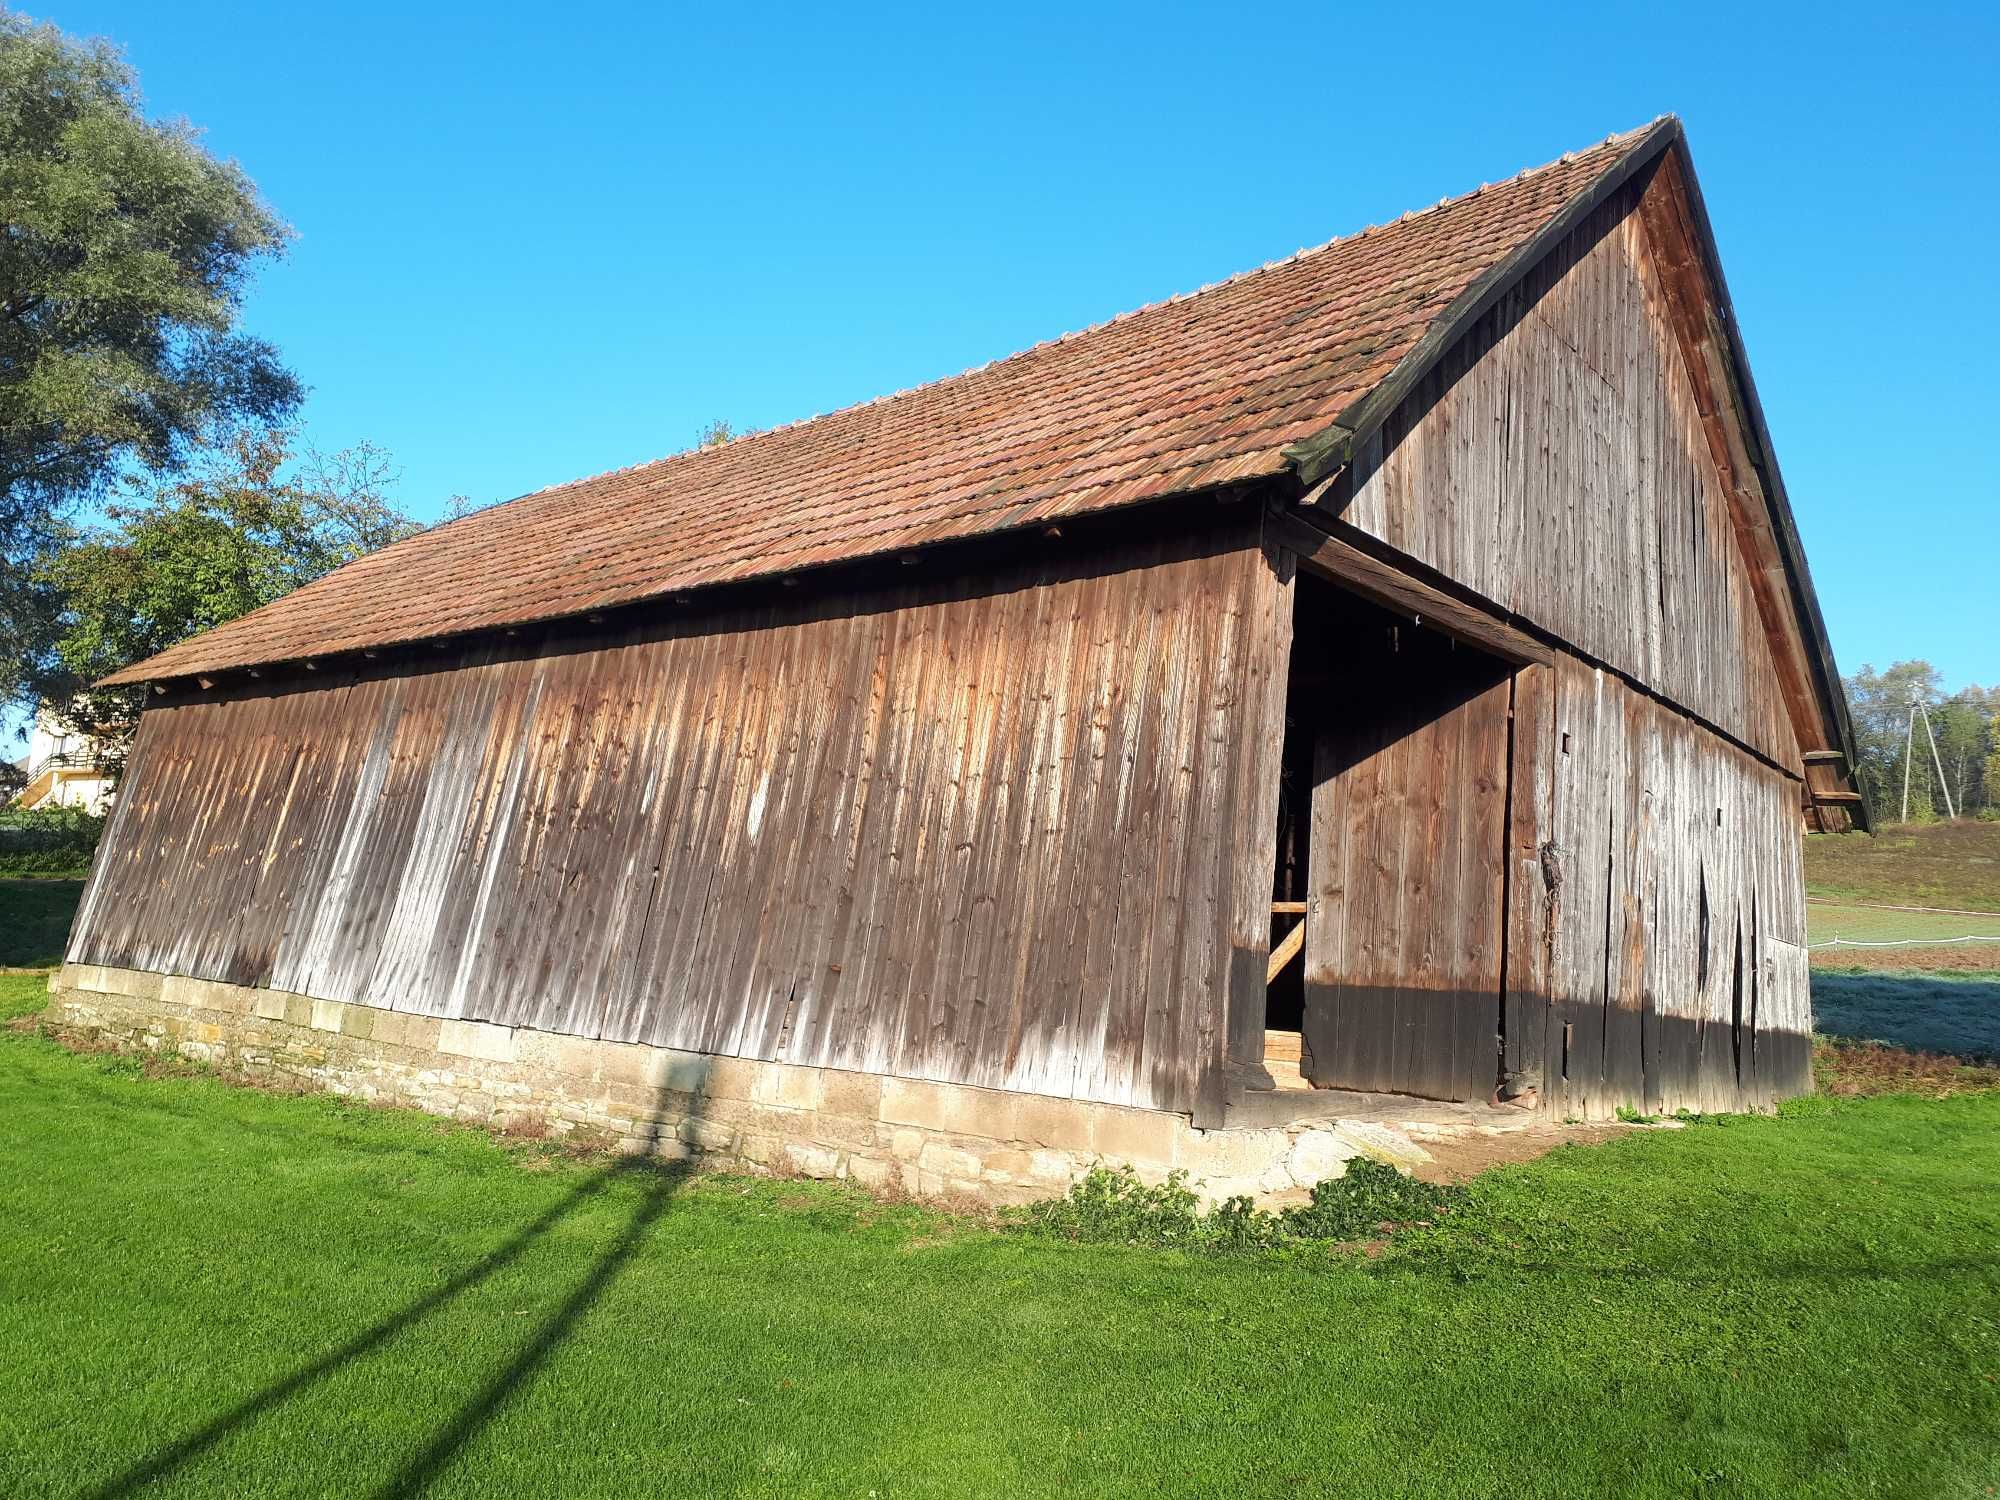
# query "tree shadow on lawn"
(1921, 1012)
(665, 1178)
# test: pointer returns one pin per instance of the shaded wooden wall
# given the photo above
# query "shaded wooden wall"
(1656, 953)
(1012, 836)
(1404, 917)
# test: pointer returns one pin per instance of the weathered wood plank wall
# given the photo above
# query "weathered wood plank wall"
(1556, 463)
(1657, 932)
(1404, 912)
(995, 836)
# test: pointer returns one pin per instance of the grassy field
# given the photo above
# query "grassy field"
(34, 920)
(1935, 864)
(291, 1296)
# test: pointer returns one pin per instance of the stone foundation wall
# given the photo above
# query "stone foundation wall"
(931, 1139)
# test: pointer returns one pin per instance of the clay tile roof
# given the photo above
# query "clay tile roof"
(1200, 390)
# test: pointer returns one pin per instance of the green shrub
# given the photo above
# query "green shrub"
(1370, 1196)
(55, 841)
(1111, 1205)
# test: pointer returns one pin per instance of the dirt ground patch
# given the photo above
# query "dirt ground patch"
(1462, 1158)
(1957, 958)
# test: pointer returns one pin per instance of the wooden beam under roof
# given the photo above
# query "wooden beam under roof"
(1342, 562)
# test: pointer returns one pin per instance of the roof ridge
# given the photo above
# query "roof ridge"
(1302, 253)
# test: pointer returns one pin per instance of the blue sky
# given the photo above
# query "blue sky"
(540, 242)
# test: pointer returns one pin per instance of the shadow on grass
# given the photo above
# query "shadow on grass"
(1922, 1012)
(664, 1180)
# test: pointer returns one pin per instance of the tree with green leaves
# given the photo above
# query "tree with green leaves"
(246, 525)
(1889, 746)
(124, 257)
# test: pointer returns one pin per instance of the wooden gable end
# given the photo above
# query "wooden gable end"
(1569, 463)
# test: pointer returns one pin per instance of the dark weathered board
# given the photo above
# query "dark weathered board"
(1557, 463)
(1404, 920)
(1656, 955)
(1015, 833)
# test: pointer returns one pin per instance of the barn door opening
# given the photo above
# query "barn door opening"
(1391, 853)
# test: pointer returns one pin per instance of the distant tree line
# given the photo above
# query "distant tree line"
(1966, 726)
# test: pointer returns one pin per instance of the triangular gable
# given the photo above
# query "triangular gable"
(1577, 441)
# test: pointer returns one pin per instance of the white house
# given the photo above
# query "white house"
(65, 768)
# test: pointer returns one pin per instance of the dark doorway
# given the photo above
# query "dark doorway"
(1391, 836)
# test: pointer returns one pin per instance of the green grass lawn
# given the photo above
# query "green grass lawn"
(1872, 924)
(34, 920)
(206, 1290)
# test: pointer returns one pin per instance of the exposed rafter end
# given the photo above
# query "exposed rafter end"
(1321, 455)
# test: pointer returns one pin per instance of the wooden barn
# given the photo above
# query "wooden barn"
(1400, 656)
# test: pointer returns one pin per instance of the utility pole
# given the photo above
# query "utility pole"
(1938, 761)
(1909, 736)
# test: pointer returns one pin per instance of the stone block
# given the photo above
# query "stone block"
(843, 1131)
(417, 1033)
(358, 1021)
(754, 1146)
(911, 1101)
(237, 999)
(678, 1072)
(615, 1062)
(326, 1015)
(270, 1004)
(1383, 1142)
(136, 984)
(1052, 1168)
(545, 1049)
(731, 1078)
(872, 1172)
(1059, 1124)
(955, 1108)
(1006, 1164)
(708, 1135)
(907, 1145)
(479, 1039)
(852, 1095)
(1139, 1136)
(1230, 1153)
(949, 1161)
(812, 1161)
(205, 994)
(1318, 1155)
(298, 1010)
(788, 1085)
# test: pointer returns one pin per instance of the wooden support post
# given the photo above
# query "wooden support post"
(1286, 951)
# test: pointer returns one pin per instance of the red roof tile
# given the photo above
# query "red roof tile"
(1200, 390)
